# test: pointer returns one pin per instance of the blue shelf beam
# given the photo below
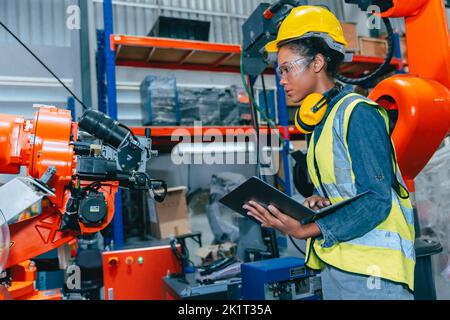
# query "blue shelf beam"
(111, 92)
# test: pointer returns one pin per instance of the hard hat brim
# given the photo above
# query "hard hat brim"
(272, 47)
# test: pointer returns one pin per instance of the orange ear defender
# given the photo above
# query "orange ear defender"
(313, 110)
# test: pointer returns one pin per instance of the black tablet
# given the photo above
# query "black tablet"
(255, 189)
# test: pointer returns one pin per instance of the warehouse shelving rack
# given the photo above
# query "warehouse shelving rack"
(162, 53)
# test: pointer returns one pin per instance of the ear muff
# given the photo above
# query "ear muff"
(311, 112)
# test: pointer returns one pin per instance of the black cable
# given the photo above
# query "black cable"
(381, 69)
(256, 127)
(266, 101)
(297, 247)
(183, 256)
(44, 65)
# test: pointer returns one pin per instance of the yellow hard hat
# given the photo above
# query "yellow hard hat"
(308, 21)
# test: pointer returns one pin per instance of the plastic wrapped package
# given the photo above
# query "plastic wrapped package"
(230, 110)
(208, 104)
(433, 205)
(159, 100)
(189, 111)
(211, 106)
(199, 104)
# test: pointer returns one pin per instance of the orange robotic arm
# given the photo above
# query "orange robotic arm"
(38, 144)
(422, 98)
(86, 178)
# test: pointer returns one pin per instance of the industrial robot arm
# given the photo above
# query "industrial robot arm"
(86, 170)
(79, 176)
(120, 156)
(418, 101)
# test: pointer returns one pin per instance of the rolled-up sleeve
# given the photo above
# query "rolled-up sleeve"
(371, 154)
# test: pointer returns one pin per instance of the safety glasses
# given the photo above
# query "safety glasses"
(294, 67)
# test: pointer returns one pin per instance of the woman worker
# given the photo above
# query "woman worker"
(364, 250)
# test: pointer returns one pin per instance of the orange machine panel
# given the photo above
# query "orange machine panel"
(137, 274)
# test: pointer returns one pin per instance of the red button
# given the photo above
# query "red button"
(113, 262)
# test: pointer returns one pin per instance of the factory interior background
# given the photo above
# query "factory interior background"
(70, 48)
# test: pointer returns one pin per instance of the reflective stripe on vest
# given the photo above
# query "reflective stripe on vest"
(389, 248)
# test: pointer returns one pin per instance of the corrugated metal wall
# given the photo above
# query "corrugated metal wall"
(41, 24)
(137, 17)
(37, 22)
(336, 6)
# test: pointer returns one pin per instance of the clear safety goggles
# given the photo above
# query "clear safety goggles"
(294, 67)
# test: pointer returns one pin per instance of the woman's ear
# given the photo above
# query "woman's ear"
(319, 63)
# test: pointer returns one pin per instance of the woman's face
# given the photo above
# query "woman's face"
(297, 77)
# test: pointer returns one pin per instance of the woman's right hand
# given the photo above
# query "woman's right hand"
(316, 202)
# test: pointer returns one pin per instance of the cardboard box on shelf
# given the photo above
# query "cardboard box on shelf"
(403, 45)
(171, 217)
(373, 47)
(351, 35)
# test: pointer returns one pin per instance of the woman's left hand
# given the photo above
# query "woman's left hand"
(274, 218)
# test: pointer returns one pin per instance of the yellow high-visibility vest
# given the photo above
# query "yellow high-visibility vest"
(388, 250)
